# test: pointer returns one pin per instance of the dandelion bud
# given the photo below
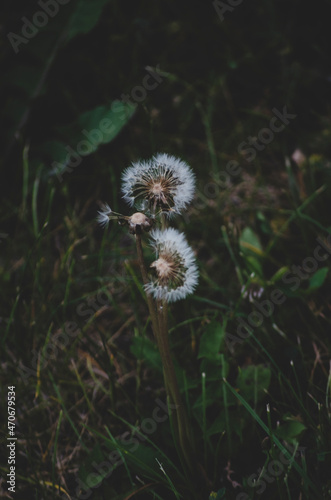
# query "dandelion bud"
(139, 222)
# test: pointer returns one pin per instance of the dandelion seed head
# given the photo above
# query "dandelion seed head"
(164, 183)
(176, 273)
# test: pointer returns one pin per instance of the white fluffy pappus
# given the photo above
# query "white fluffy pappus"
(103, 215)
(175, 267)
(163, 183)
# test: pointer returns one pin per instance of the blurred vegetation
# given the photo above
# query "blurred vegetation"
(75, 334)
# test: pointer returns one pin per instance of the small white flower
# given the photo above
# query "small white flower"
(175, 267)
(164, 183)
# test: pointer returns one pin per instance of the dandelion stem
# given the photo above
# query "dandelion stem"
(143, 270)
(181, 424)
(159, 318)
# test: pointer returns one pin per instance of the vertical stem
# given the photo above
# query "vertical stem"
(225, 402)
(143, 270)
(204, 421)
(181, 422)
(159, 318)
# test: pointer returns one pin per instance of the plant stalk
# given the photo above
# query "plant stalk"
(143, 270)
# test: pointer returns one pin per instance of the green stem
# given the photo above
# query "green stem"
(181, 424)
(143, 270)
(159, 318)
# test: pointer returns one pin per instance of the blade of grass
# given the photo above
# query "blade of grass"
(66, 412)
(225, 401)
(204, 420)
(35, 203)
(121, 455)
(146, 438)
(150, 473)
(285, 452)
(173, 489)
(89, 404)
(12, 312)
(25, 187)
(232, 255)
(55, 448)
(284, 378)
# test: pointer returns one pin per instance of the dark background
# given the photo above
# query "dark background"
(221, 79)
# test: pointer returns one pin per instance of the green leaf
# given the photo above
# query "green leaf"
(290, 431)
(212, 340)
(252, 381)
(212, 368)
(217, 495)
(143, 348)
(84, 136)
(252, 250)
(85, 17)
(318, 278)
(254, 265)
(236, 421)
(97, 126)
(96, 456)
(278, 274)
(249, 242)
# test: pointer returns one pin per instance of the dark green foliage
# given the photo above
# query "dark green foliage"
(104, 83)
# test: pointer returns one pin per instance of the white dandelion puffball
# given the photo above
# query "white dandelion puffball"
(163, 183)
(175, 268)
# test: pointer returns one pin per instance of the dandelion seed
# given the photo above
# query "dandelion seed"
(104, 215)
(164, 183)
(175, 268)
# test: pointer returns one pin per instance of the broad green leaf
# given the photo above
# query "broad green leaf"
(318, 278)
(213, 395)
(290, 431)
(143, 348)
(249, 242)
(237, 422)
(212, 340)
(83, 136)
(252, 381)
(212, 368)
(85, 16)
(97, 126)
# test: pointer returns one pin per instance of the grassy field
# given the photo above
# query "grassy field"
(242, 94)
